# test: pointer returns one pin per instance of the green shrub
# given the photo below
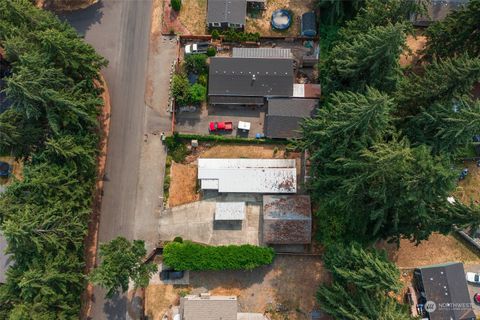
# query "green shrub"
(202, 79)
(196, 63)
(180, 89)
(232, 35)
(197, 94)
(215, 34)
(176, 4)
(211, 52)
(178, 239)
(192, 256)
(177, 150)
(226, 139)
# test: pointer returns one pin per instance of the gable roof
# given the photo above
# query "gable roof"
(209, 307)
(445, 284)
(229, 11)
(285, 115)
(257, 77)
(287, 219)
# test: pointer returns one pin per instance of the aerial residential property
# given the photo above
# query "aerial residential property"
(240, 159)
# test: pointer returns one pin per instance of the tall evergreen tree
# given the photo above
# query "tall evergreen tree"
(442, 81)
(457, 34)
(366, 59)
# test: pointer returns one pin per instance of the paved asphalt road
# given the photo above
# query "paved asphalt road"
(119, 30)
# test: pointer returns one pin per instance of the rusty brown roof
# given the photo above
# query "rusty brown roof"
(287, 219)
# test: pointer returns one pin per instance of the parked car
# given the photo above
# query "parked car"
(197, 48)
(476, 298)
(220, 126)
(5, 169)
(473, 277)
(171, 274)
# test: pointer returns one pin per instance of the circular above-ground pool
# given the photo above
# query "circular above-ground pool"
(281, 19)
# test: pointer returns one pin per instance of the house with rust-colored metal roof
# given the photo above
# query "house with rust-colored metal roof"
(287, 219)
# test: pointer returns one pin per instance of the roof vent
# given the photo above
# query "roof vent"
(254, 77)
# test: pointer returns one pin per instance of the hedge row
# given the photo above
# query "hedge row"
(226, 139)
(192, 256)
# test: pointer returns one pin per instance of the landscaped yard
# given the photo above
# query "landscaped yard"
(469, 189)
(183, 177)
(285, 290)
(262, 24)
(193, 16)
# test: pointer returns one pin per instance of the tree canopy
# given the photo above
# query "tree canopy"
(52, 125)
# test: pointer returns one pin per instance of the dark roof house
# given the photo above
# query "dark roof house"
(445, 285)
(249, 80)
(285, 115)
(226, 14)
(287, 219)
(309, 24)
(437, 10)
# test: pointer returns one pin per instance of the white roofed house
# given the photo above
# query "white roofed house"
(248, 175)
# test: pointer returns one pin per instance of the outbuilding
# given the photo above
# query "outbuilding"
(309, 24)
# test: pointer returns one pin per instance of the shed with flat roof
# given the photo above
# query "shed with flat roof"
(248, 175)
(280, 53)
(206, 307)
(229, 211)
(287, 219)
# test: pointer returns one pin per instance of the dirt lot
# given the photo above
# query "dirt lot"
(437, 249)
(183, 177)
(193, 16)
(183, 186)
(262, 24)
(467, 189)
(289, 285)
(415, 44)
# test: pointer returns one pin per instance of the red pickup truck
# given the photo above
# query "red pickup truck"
(220, 126)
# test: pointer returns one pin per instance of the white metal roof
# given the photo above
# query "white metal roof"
(249, 175)
(262, 53)
(298, 90)
(230, 211)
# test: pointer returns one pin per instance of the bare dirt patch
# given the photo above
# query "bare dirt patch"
(193, 16)
(415, 44)
(183, 186)
(285, 290)
(247, 151)
(437, 249)
(468, 189)
(65, 5)
(159, 299)
(262, 24)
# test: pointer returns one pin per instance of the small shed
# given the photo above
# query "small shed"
(309, 24)
(229, 211)
(287, 219)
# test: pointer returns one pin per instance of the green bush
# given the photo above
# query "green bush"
(196, 63)
(177, 150)
(176, 4)
(211, 52)
(197, 94)
(180, 89)
(192, 256)
(215, 34)
(232, 35)
(202, 79)
(178, 239)
(226, 139)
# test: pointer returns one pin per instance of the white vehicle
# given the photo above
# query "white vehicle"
(473, 277)
(196, 48)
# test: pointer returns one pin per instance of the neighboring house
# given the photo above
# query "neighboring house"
(248, 175)
(5, 259)
(309, 24)
(437, 11)
(285, 116)
(249, 81)
(206, 307)
(287, 219)
(226, 14)
(446, 286)
(230, 14)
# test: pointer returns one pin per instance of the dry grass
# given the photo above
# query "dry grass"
(247, 151)
(17, 169)
(468, 189)
(262, 24)
(438, 249)
(183, 186)
(159, 299)
(65, 5)
(193, 16)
